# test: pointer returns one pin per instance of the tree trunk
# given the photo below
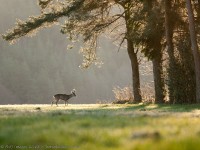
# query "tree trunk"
(169, 30)
(195, 51)
(198, 11)
(135, 72)
(158, 78)
(157, 50)
(170, 51)
(133, 56)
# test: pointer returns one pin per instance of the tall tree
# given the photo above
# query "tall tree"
(152, 37)
(132, 52)
(169, 23)
(195, 50)
(180, 88)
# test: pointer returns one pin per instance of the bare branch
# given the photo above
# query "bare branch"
(99, 27)
(122, 41)
(117, 26)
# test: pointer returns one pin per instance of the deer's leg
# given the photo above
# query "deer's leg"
(65, 103)
(57, 102)
(53, 101)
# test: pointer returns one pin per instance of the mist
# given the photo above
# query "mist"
(35, 68)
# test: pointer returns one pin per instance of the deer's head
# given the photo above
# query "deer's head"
(73, 92)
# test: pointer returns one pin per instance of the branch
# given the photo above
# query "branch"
(119, 36)
(117, 26)
(137, 50)
(122, 41)
(99, 27)
(34, 23)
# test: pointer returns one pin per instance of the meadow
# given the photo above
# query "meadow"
(100, 127)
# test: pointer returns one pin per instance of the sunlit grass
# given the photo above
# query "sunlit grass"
(101, 126)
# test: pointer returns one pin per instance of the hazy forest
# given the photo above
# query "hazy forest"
(163, 32)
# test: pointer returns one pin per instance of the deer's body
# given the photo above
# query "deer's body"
(63, 97)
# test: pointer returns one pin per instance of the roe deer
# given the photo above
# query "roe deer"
(63, 97)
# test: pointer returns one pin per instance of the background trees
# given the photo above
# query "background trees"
(157, 29)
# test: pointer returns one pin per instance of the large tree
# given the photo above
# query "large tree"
(195, 50)
(152, 43)
(85, 19)
(132, 52)
(180, 68)
(169, 24)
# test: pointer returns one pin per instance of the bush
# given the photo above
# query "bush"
(123, 95)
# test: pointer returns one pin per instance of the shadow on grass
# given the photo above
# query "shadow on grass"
(165, 107)
(126, 110)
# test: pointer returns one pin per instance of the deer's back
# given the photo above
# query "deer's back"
(61, 96)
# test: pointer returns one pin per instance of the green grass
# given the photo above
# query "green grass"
(100, 127)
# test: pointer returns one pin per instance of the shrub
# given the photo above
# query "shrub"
(123, 95)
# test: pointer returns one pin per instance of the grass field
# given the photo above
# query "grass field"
(100, 127)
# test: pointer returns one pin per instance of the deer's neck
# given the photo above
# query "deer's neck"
(71, 95)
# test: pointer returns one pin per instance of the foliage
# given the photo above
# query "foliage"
(88, 23)
(181, 88)
(50, 15)
(184, 85)
(85, 18)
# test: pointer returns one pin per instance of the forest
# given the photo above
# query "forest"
(165, 32)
